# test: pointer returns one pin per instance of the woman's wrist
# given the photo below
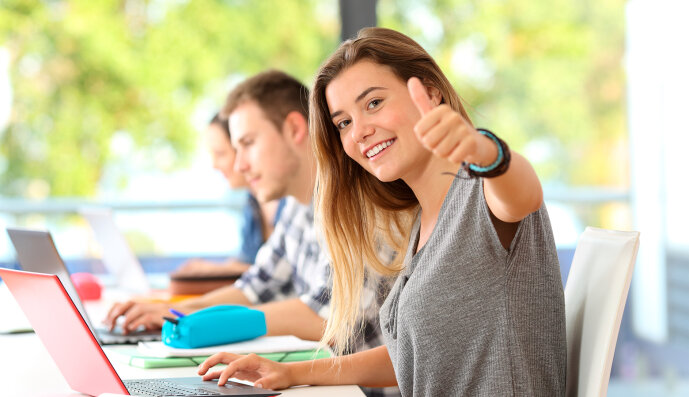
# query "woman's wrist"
(488, 150)
(499, 165)
(298, 373)
(325, 371)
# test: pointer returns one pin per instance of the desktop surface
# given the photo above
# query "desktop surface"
(25, 360)
(27, 370)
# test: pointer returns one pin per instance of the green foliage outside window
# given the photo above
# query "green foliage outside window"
(546, 76)
(86, 71)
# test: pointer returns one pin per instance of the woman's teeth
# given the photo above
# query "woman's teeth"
(379, 148)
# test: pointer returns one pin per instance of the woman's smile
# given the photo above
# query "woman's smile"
(377, 150)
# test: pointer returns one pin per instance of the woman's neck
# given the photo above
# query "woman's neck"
(430, 185)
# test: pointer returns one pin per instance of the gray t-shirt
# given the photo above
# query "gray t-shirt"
(467, 317)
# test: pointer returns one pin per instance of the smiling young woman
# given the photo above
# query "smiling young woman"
(477, 307)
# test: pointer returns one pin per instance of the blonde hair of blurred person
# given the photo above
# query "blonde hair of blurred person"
(223, 155)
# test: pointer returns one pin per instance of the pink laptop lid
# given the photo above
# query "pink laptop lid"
(64, 333)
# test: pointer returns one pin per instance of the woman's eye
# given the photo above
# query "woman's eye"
(373, 103)
(342, 124)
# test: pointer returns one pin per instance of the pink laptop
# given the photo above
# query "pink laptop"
(73, 347)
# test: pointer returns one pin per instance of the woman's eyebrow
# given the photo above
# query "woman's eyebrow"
(366, 91)
(359, 98)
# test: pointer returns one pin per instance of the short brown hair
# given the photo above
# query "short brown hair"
(275, 92)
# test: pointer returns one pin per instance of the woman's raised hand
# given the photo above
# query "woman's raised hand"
(446, 133)
(264, 373)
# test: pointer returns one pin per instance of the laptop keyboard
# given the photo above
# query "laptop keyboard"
(161, 388)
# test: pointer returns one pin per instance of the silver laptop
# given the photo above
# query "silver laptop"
(81, 360)
(118, 256)
(37, 253)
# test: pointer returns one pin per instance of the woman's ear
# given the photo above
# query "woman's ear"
(435, 95)
(433, 92)
(295, 127)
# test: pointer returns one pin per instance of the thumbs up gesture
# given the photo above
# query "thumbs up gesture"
(446, 133)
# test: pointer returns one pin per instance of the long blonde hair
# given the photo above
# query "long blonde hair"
(354, 209)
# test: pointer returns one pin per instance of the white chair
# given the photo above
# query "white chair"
(595, 295)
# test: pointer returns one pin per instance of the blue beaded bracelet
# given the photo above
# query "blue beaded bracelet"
(496, 163)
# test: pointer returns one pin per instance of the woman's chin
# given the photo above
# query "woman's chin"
(386, 177)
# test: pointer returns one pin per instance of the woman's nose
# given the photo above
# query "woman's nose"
(361, 132)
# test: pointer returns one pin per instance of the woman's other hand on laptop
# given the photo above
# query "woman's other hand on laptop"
(264, 373)
(137, 314)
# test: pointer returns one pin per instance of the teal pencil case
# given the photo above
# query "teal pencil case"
(216, 325)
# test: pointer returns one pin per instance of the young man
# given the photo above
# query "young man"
(289, 281)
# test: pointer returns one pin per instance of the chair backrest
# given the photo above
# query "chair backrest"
(595, 296)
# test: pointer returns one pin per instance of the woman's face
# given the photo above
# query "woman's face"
(223, 155)
(375, 116)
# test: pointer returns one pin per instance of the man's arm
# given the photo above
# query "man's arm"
(228, 295)
(289, 317)
(150, 314)
(292, 317)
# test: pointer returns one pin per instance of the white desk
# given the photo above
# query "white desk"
(27, 370)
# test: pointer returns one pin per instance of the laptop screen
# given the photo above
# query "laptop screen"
(64, 332)
(118, 256)
(37, 253)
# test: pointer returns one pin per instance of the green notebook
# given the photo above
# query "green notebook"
(132, 357)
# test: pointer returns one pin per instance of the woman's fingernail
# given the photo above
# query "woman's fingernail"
(260, 386)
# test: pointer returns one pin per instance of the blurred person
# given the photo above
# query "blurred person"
(289, 279)
(258, 219)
